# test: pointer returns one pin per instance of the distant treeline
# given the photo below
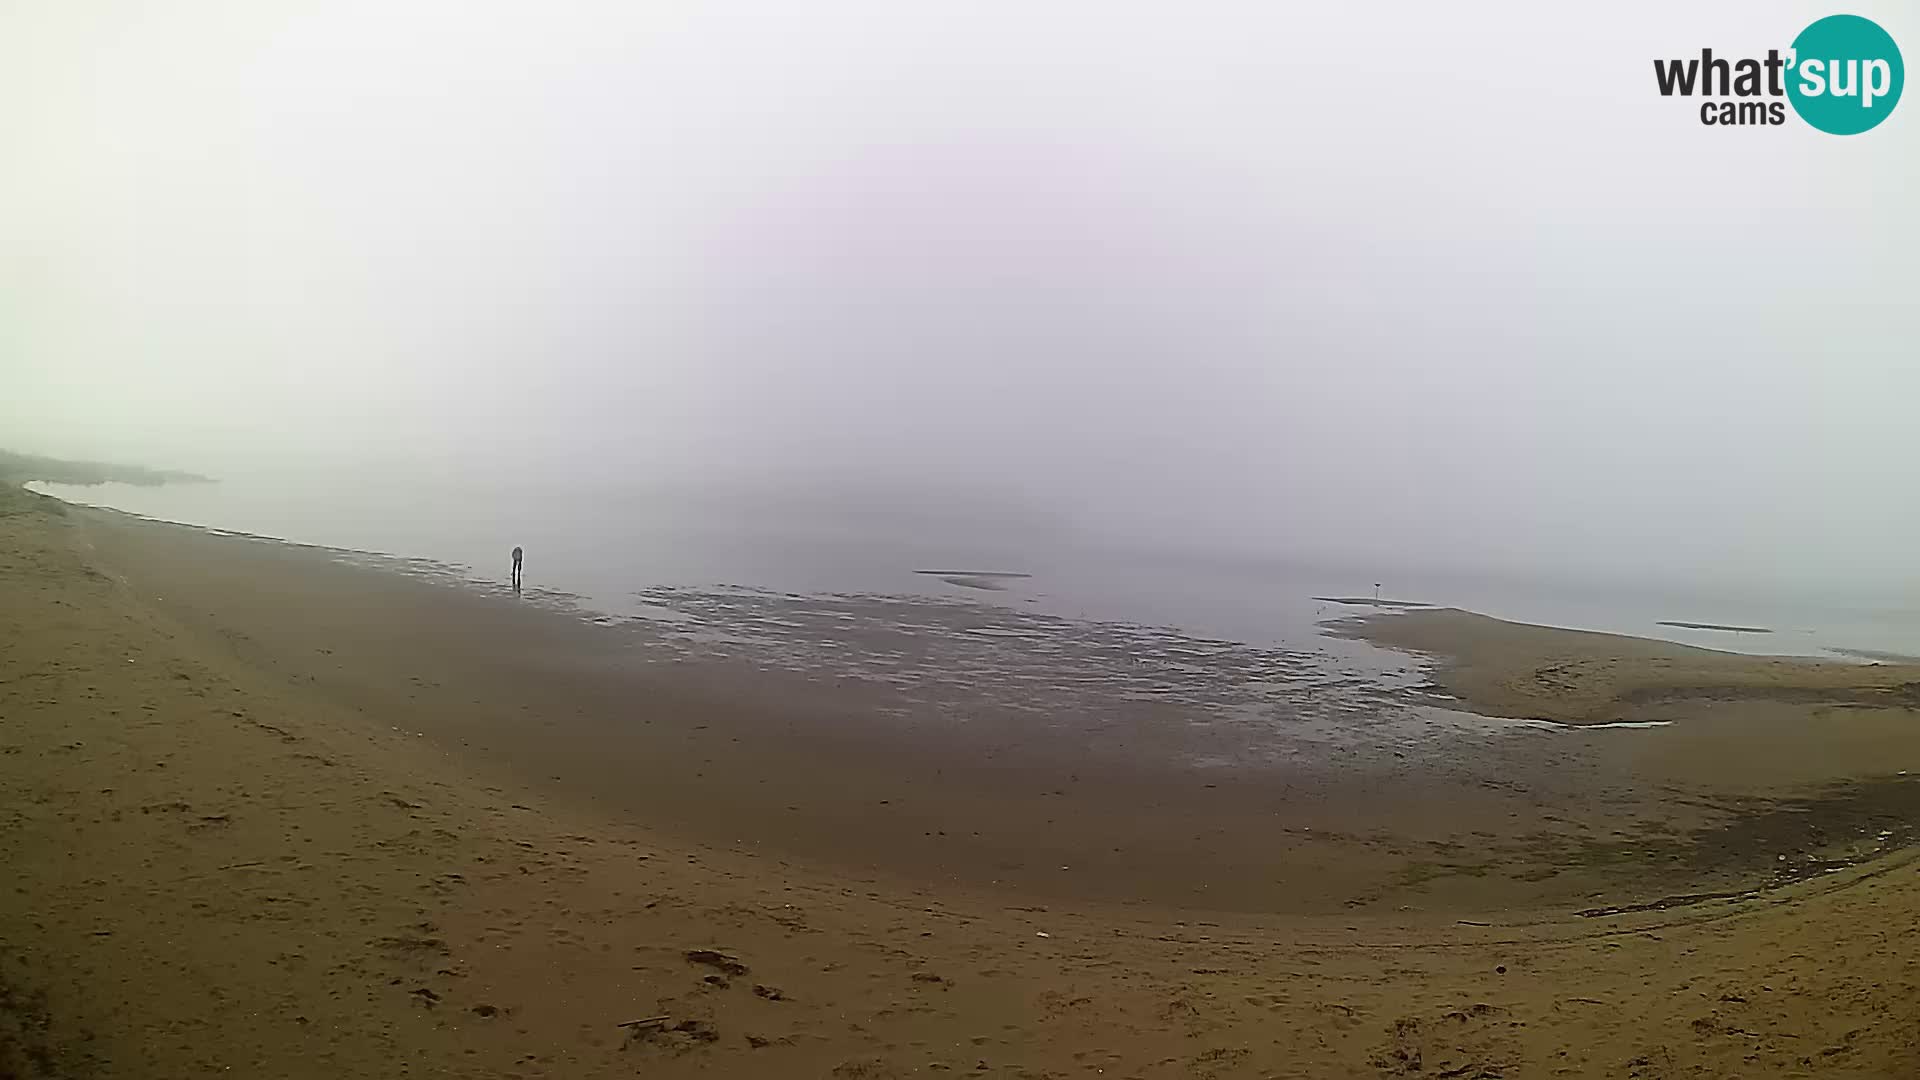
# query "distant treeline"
(21, 468)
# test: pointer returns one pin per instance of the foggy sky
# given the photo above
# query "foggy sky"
(1373, 279)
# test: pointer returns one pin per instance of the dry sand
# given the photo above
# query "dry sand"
(270, 815)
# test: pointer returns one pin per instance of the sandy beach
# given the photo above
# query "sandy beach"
(273, 812)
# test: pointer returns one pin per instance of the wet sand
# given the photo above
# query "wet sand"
(277, 813)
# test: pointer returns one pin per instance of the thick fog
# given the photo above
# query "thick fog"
(1436, 282)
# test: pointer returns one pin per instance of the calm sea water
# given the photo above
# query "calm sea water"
(621, 552)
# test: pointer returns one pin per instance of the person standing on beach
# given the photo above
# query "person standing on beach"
(516, 570)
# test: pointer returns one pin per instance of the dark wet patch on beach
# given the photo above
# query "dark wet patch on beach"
(28, 1045)
(1896, 696)
(1749, 846)
(1878, 656)
(1726, 627)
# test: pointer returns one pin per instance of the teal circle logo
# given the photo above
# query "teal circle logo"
(1846, 76)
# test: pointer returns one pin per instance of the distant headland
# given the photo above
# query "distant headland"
(989, 580)
(24, 468)
(1371, 601)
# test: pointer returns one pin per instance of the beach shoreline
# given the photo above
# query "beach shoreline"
(266, 749)
(830, 771)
